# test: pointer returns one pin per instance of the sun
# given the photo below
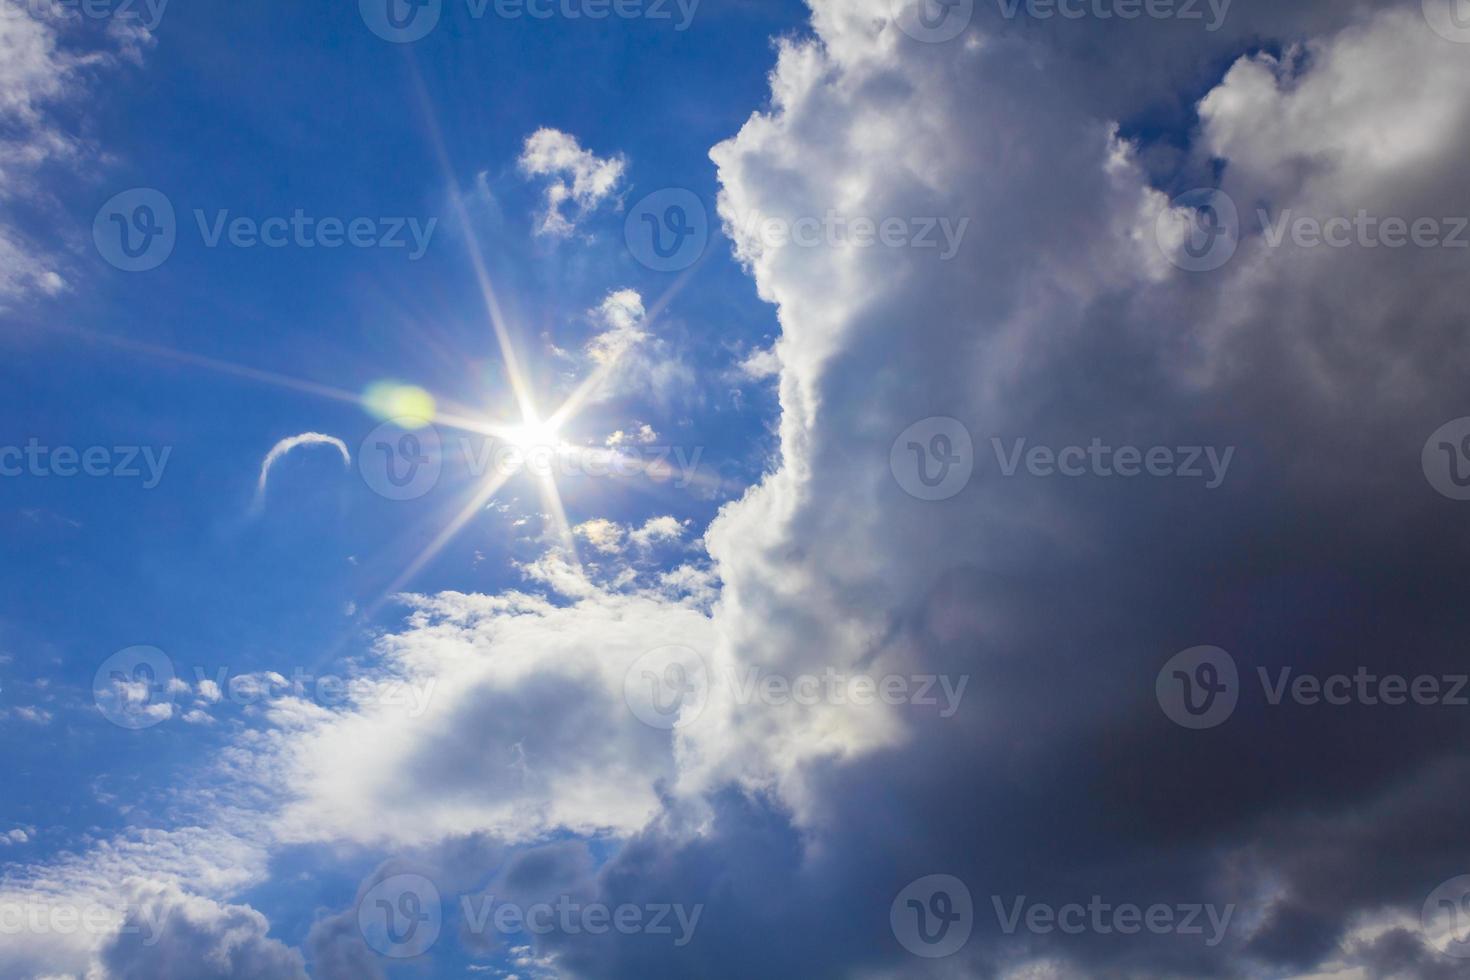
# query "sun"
(533, 435)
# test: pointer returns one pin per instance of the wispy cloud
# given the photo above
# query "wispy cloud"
(285, 446)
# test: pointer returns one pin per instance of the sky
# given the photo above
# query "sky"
(653, 488)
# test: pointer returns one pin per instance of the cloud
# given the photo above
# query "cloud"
(285, 446)
(45, 70)
(643, 435)
(169, 935)
(1060, 320)
(577, 179)
(135, 881)
(656, 530)
(628, 360)
(602, 534)
(611, 538)
(622, 313)
(527, 730)
(761, 364)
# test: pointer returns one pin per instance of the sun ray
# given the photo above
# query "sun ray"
(513, 371)
(478, 499)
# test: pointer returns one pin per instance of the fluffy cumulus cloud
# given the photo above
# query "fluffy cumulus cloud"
(510, 719)
(173, 936)
(577, 180)
(627, 357)
(144, 903)
(1062, 319)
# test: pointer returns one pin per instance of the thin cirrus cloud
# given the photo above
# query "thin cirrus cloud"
(285, 446)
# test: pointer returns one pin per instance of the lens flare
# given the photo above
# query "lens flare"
(405, 403)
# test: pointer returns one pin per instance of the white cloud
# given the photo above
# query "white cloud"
(604, 535)
(137, 879)
(761, 364)
(622, 313)
(611, 538)
(643, 435)
(628, 359)
(170, 935)
(41, 70)
(578, 181)
(527, 730)
(656, 530)
(285, 446)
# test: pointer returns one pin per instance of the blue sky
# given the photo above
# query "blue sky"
(308, 110)
(963, 427)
